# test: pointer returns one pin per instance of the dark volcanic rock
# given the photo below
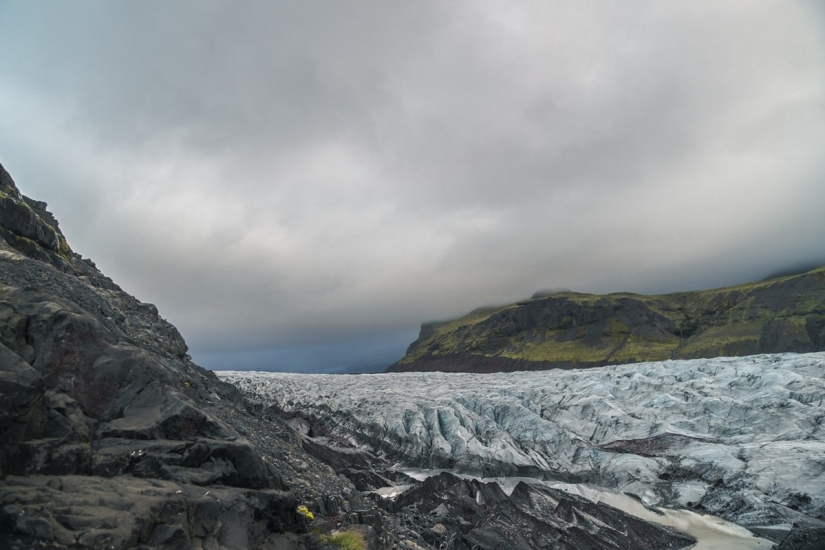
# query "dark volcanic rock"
(366, 470)
(465, 514)
(804, 538)
(126, 512)
(111, 437)
(85, 384)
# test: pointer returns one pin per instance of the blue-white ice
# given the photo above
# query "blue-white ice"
(755, 445)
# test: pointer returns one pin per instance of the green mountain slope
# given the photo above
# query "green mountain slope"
(569, 329)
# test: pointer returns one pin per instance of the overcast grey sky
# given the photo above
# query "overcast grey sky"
(298, 185)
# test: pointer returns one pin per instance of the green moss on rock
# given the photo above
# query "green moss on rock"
(568, 328)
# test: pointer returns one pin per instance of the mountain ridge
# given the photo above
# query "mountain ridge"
(576, 330)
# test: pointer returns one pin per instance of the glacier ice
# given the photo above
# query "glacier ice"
(740, 437)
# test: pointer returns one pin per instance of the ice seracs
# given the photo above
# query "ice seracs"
(741, 438)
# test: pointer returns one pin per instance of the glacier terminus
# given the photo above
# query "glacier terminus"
(738, 438)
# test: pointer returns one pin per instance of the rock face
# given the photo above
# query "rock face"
(568, 329)
(111, 437)
(468, 514)
(740, 438)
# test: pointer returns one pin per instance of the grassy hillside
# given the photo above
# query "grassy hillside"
(569, 329)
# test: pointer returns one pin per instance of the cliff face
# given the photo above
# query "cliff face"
(111, 437)
(567, 329)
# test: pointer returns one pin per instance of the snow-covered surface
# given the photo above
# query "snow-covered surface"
(734, 428)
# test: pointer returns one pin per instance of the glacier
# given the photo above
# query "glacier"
(741, 438)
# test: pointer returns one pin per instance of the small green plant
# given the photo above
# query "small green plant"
(346, 540)
(304, 511)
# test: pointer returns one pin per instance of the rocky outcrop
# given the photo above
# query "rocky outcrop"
(803, 538)
(111, 437)
(365, 469)
(572, 330)
(129, 512)
(468, 514)
(29, 228)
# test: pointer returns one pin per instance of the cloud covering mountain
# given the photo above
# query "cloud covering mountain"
(301, 185)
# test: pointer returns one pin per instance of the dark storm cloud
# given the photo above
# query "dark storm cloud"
(282, 175)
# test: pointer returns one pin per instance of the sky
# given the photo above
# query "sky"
(299, 185)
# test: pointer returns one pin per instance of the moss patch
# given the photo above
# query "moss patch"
(346, 540)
